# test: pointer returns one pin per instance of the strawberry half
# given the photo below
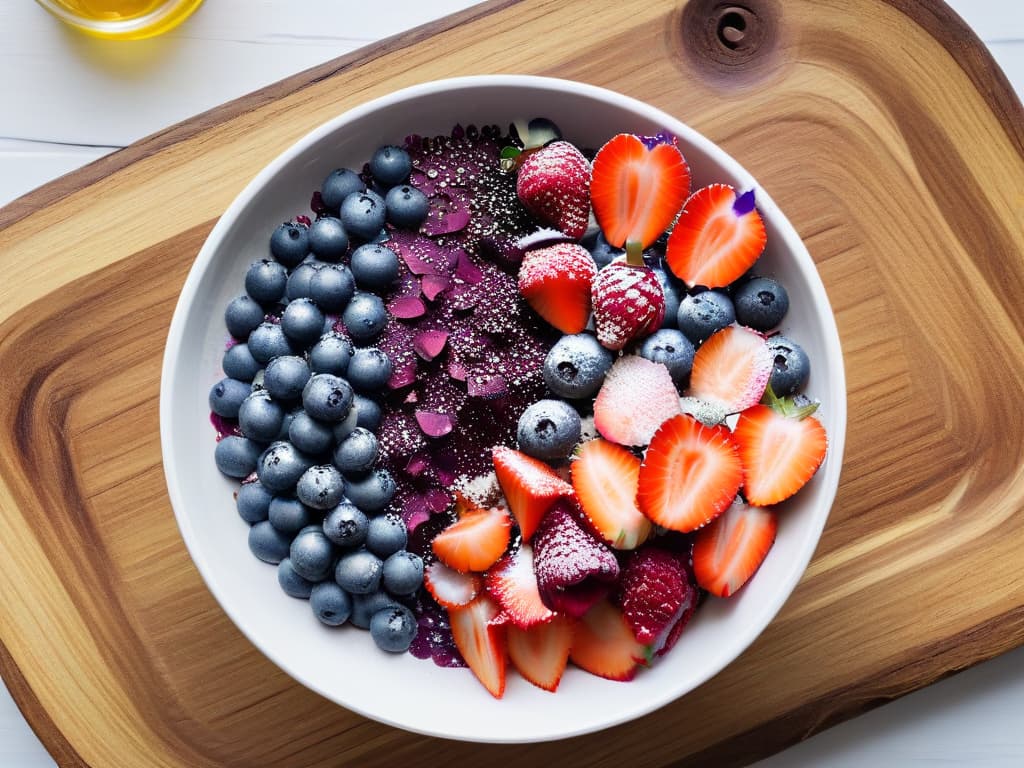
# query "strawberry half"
(781, 446)
(658, 596)
(731, 368)
(730, 550)
(636, 191)
(689, 475)
(628, 303)
(554, 185)
(718, 236)
(555, 281)
(475, 541)
(529, 485)
(450, 588)
(636, 398)
(482, 643)
(513, 583)
(605, 477)
(604, 645)
(541, 652)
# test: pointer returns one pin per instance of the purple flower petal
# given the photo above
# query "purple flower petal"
(744, 203)
(407, 307)
(418, 464)
(466, 270)
(434, 285)
(429, 344)
(435, 424)
(486, 386)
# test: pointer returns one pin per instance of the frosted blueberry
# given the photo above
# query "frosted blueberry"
(312, 554)
(393, 629)
(365, 316)
(286, 376)
(289, 515)
(390, 165)
(402, 573)
(761, 303)
(330, 603)
(372, 492)
(576, 366)
(406, 206)
(268, 341)
(253, 502)
(239, 363)
(289, 243)
(281, 465)
(346, 525)
(265, 281)
(359, 572)
(548, 429)
(236, 456)
(386, 535)
(300, 280)
(368, 412)
(672, 349)
(302, 322)
(362, 214)
(357, 452)
(309, 435)
(260, 417)
(365, 606)
(339, 184)
(328, 239)
(369, 369)
(242, 316)
(331, 287)
(701, 314)
(292, 583)
(374, 266)
(327, 397)
(268, 544)
(331, 354)
(792, 366)
(321, 487)
(226, 397)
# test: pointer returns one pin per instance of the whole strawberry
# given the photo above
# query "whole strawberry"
(657, 595)
(628, 303)
(554, 185)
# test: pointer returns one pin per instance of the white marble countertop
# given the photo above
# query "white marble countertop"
(68, 100)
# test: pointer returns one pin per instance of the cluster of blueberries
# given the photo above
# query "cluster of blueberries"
(303, 397)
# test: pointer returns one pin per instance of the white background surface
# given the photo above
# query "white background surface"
(67, 100)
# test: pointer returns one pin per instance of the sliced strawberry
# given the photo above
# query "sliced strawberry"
(483, 644)
(603, 644)
(637, 396)
(689, 475)
(554, 185)
(450, 588)
(731, 368)
(541, 652)
(781, 446)
(475, 541)
(636, 191)
(728, 552)
(605, 477)
(555, 281)
(512, 582)
(718, 237)
(530, 487)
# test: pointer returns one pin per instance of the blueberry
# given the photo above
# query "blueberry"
(364, 607)
(286, 424)
(291, 582)
(390, 165)
(374, 267)
(393, 629)
(792, 366)
(359, 572)
(300, 280)
(603, 253)
(368, 412)
(673, 297)
(369, 369)
(286, 376)
(331, 354)
(346, 525)
(576, 365)
(672, 349)
(331, 287)
(345, 427)
(268, 544)
(226, 397)
(328, 239)
(289, 515)
(365, 316)
(242, 316)
(701, 314)
(327, 398)
(406, 206)
(372, 492)
(289, 243)
(302, 322)
(338, 185)
(761, 303)
(386, 535)
(236, 456)
(253, 502)
(357, 452)
(321, 487)
(548, 429)
(402, 573)
(362, 214)
(268, 341)
(309, 435)
(312, 555)
(281, 466)
(260, 417)
(330, 603)
(266, 280)
(239, 363)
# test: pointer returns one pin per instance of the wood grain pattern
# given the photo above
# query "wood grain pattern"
(879, 127)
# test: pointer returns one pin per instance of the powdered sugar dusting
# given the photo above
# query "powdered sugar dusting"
(628, 302)
(637, 397)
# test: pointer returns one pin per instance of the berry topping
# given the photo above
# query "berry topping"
(791, 367)
(605, 477)
(728, 552)
(689, 475)
(576, 366)
(574, 570)
(530, 487)
(761, 303)
(731, 368)
(548, 429)
(554, 185)
(657, 596)
(603, 644)
(541, 652)
(636, 398)
(555, 281)
(450, 588)
(781, 446)
(512, 582)
(475, 541)
(718, 237)
(628, 303)
(482, 643)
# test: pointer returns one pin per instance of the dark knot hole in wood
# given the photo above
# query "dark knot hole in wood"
(732, 27)
(730, 37)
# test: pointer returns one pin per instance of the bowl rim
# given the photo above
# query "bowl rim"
(825, 318)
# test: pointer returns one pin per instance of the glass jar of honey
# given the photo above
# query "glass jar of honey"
(122, 19)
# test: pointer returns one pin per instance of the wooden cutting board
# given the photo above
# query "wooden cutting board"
(881, 127)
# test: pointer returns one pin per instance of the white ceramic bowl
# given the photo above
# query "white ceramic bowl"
(344, 665)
